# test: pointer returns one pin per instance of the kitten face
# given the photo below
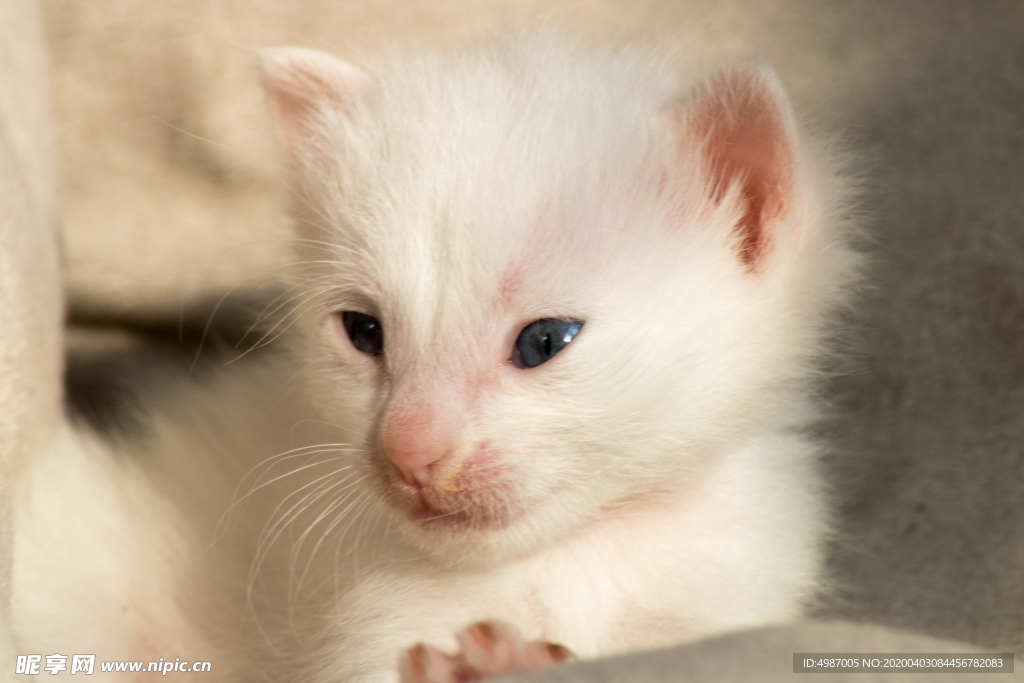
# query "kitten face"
(454, 202)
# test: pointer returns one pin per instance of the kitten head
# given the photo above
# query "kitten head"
(548, 280)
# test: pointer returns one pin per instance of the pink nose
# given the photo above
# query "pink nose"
(415, 442)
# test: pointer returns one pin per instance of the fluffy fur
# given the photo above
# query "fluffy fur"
(650, 484)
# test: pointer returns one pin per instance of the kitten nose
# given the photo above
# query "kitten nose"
(416, 441)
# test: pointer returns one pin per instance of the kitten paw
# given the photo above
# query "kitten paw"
(487, 649)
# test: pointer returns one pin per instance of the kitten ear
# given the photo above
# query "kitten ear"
(741, 124)
(302, 83)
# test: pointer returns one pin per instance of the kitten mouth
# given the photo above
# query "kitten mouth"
(448, 511)
(431, 517)
(476, 495)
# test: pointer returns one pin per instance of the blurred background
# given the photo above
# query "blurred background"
(172, 196)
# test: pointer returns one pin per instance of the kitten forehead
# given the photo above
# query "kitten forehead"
(466, 140)
(483, 189)
(468, 163)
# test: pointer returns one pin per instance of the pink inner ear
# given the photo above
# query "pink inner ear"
(305, 89)
(300, 81)
(742, 120)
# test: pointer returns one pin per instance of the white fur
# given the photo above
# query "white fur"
(655, 479)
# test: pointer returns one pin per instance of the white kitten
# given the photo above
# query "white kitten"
(568, 308)
(560, 315)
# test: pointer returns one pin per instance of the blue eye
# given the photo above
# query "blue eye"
(542, 339)
(365, 332)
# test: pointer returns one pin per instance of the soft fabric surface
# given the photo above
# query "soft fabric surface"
(30, 285)
(171, 192)
(766, 656)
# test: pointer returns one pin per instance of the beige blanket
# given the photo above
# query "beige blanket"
(30, 283)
